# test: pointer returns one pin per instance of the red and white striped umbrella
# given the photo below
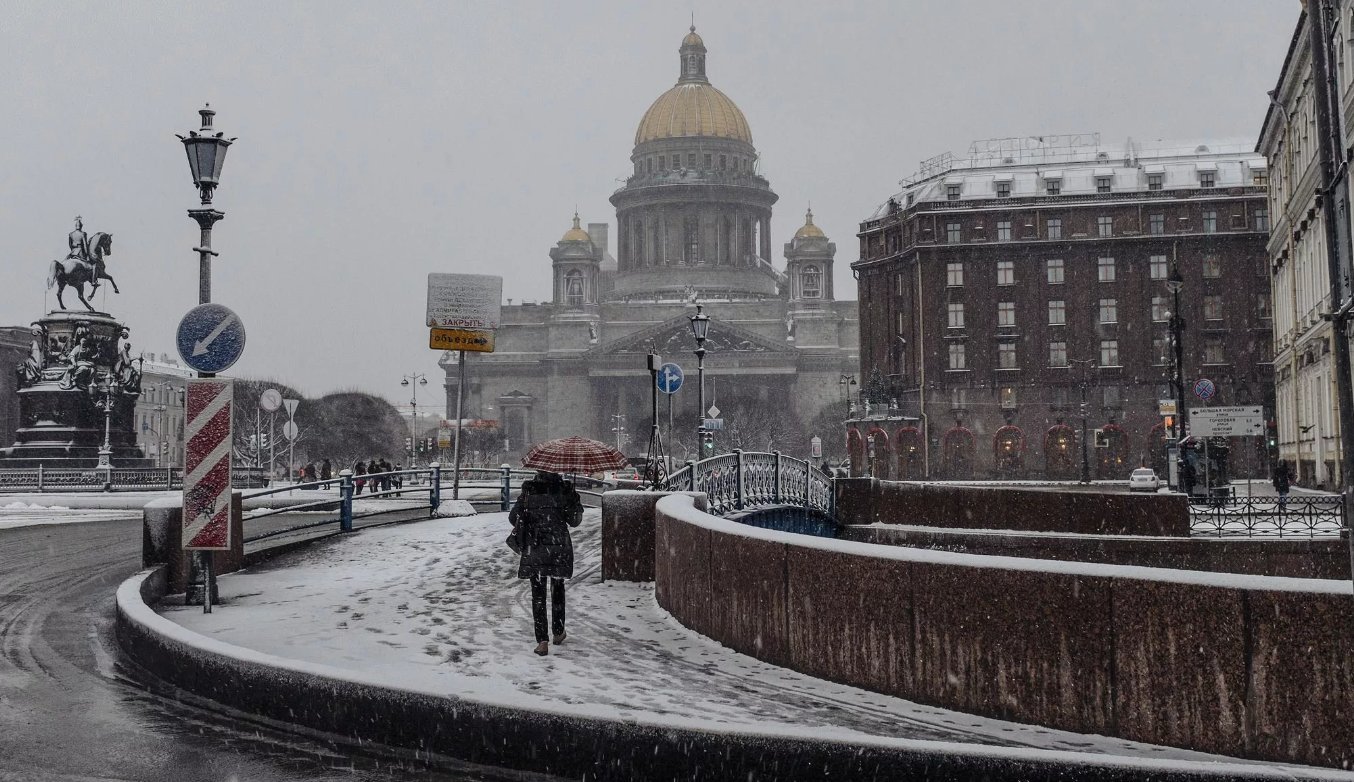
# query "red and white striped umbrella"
(574, 455)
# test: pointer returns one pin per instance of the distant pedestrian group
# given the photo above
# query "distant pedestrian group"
(379, 474)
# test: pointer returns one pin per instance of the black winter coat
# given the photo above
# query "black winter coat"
(541, 518)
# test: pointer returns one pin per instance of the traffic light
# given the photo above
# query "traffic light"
(708, 443)
(427, 445)
(1272, 434)
(408, 445)
(263, 441)
(253, 443)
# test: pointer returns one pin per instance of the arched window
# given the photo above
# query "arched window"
(811, 282)
(573, 288)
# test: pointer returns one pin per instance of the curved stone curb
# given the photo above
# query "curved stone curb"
(361, 709)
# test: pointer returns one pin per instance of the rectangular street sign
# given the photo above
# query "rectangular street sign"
(206, 465)
(461, 339)
(464, 301)
(443, 438)
(1244, 421)
(1166, 407)
(714, 424)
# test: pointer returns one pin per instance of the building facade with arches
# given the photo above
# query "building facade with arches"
(693, 223)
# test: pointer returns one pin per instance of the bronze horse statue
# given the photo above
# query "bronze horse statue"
(76, 272)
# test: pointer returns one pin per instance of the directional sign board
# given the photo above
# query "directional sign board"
(206, 465)
(464, 301)
(210, 338)
(1204, 388)
(669, 378)
(461, 339)
(1227, 421)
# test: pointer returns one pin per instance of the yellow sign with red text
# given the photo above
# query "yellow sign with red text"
(472, 340)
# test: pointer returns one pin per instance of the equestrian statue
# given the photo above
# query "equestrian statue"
(84, 263)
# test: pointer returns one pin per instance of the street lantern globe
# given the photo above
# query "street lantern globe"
(206, 154)
(423, 381)
(700, 326)
(404, 382)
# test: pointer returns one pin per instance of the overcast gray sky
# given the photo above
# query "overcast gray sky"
(381, 141)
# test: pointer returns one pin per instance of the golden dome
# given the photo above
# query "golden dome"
(693, 109)
(692, 39)
(576, 234)
(809, 230)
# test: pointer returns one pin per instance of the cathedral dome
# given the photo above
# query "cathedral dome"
(693, 108)
(809, 230)
(576, 234)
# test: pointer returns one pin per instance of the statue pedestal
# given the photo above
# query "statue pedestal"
(61, 421)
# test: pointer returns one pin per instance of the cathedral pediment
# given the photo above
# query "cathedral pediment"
(673, 337)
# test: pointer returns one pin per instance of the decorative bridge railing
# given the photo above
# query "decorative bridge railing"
(1267, 516)
(61, 479)
(749, 479)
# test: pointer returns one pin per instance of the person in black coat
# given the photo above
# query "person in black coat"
(1282, 483)
(545, 510)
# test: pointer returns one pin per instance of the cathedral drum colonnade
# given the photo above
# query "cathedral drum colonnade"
(693, 221)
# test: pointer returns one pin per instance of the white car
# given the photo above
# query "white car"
(1143, 479)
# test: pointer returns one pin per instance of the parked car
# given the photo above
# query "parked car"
(1143, 479)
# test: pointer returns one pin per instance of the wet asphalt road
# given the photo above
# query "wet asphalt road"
(73, 708)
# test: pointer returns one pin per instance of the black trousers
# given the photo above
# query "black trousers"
(538, 606)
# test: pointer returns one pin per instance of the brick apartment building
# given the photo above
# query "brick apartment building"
(999, 290)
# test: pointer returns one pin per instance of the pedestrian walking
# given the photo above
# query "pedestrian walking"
(374, 470)
(1282, 482)
(397, 481)
(326, 472)
(385, 479)
(541, 517)
(360, 476)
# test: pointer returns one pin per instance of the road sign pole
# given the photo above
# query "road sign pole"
(456, 446)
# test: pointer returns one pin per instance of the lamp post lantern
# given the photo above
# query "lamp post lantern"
(106, 405)
(206, 155)
(1174, 283)
(415, 380)
(700, 329)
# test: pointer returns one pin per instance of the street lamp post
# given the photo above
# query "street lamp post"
(700, 329)
(1174, 283)
(1089, 364)
(106, 450)
(848, 384)
(415, 380)
(206, 155)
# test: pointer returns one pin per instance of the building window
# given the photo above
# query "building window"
(708, 161)
(662, 162)
(954, 274)
(1154, 181)
(812, 282)
(573, 288)
(1057, 312)
(691, 160)
(1262, 305)
(1212, 265)
(957, 359)
(1105, 225)
(1260, 177)
(1161, 349)
(958, 398)
(1213, 307)
(1109, 311)
(1008, 398)
(1157, 268)
(1210, 222)
(1006, 355)
(1003, 230)
(1055, 271)
(1053, 186)
(1109, 352)
(1055, 228)
(952, 192)
(1213, 352)
(692, 244)
(1006, 272)
(1102, 184)
(1109, 397)
(1105, 270)
(1003, 190)
(1159, 309)
(1156, 224)
(953, 233)
(956, 311)
(1262, 219)
(1057, 354)
(723, 162)
(1207, 178)
(650, 162)
(1006, 313)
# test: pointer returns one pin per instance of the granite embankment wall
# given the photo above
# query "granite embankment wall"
(1242, 665)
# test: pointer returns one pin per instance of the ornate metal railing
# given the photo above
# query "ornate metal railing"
(742, 480)
(49, 479)
(1267, 516)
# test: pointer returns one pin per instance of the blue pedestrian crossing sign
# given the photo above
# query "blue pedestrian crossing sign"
(669, 378)
(210, 338)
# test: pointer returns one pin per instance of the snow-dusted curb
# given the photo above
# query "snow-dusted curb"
(366, 710)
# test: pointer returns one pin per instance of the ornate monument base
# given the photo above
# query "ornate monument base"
(75, 383)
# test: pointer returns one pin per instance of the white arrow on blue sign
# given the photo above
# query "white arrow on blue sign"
(669, 378)
(210, 338)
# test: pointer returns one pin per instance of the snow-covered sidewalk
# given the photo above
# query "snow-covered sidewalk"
(435, 607)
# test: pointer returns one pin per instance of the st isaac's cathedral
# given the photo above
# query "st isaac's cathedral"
(693, 224)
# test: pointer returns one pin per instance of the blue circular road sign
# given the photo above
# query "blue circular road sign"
(669, 378)
(1204, 389)
(210, 338)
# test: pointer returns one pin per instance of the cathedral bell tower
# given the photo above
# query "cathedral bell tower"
(808, 263)
(577, 265)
